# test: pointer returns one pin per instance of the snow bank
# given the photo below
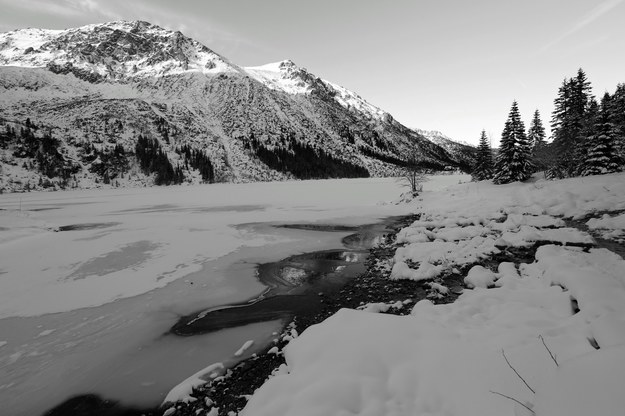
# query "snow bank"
(610, 227)
(446, 359)
(591, 385)
(452, 359)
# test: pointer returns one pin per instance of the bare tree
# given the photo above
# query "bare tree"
(413, 175)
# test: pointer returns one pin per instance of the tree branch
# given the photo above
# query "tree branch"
(513, 399)
(516, 372)
(553, 357)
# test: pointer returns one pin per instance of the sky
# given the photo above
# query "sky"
(448, 65)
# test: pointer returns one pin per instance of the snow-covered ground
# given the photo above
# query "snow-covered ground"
(558, 321)
(91, 280)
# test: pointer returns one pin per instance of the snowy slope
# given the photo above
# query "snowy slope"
(461, 151)
(288, 77)
(99, 86)
(283, 76)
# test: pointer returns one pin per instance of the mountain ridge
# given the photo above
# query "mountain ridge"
(101, 86)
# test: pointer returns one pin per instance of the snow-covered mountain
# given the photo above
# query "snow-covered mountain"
(462, 152)
(74, 103)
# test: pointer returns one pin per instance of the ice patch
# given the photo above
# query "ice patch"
(244, 348)
(44, 333)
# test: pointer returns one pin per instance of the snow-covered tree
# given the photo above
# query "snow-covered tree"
(601, 153)
(617, 112)
(571, 105)
(536, 133)
(513, 161)
(484, 164)
(587, 133)
(536, 139)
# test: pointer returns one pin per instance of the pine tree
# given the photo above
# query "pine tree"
(536, 132)
(587, 134)
(617, 113)
(574, 97)
(536, 139)
(601, 155)
(513, 161)
(484, 163)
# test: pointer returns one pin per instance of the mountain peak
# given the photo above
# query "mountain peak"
(284, 76)
(115, 50)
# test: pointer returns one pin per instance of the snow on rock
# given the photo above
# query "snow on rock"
(527, 235)
(381, 307)
(425, 271)
(514, 221)
(274, 350)
(437, 256)
(414, 235)
(610, 227)
(170, 412)
(182, 392)
(443, 290)
(480, 277)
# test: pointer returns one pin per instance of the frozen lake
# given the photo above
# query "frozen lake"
(91, 281)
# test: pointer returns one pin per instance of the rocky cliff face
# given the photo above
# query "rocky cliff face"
(82, 99)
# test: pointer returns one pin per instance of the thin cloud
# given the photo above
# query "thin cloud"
(46, 7)
(93, 6)
(593, 15)
(64, 8)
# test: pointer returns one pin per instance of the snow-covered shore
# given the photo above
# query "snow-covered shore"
(457, 359)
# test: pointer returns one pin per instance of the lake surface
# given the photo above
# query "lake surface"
(91, 282)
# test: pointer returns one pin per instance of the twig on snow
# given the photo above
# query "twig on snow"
(513, 399)
(516, 372)
(553, 357)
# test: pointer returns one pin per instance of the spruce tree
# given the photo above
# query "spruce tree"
(601, 154)
(536, 139)
(587, 134)
(536, 132)
(617, 114)
(484, 163)
(574, 97)
(513, 161)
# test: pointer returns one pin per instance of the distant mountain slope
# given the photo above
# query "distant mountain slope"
(463, 153)
(130, 104)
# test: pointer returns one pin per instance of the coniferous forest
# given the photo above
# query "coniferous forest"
(153, 159)
(587, 137)
(303, 161)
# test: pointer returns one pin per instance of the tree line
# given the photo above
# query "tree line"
(303, 161)
(587, 138)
